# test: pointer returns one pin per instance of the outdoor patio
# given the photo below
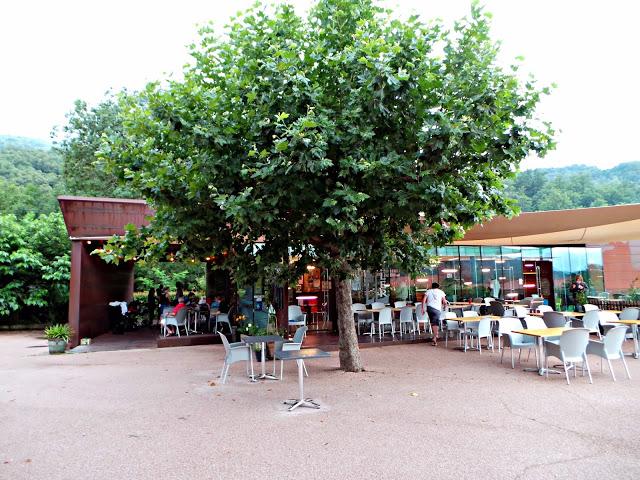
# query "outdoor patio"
(418, 412)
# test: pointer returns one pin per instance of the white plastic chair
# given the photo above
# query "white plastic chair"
(378, 305)
(483, 331)
(222, 318)
(571, 348)
(488, 300)
(294, 345)
(607, 320)
(516, 341)
(422, 317)
(385, 318)
(448, 318)
(400, 304)
(588, 307)
(406, 317)
(534, 322)
(235, 352)
(362, 316)
(610, 348)
(520, 311)
(591, 321)
(180, 320)
(295, 316)
(544, 308)
(507, 325)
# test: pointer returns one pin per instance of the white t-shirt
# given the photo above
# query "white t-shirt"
(434, 298)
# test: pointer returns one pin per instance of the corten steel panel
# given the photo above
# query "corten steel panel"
(94, 284)
(87, 217)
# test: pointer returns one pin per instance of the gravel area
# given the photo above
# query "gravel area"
(417, 412)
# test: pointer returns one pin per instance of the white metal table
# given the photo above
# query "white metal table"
(262, 339)
(300, 356)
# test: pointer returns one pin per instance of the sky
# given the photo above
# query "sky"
(53, 53)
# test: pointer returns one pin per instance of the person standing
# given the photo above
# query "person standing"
(579, 291)
(435, 300)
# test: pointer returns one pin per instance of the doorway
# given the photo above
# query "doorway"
(538, 279)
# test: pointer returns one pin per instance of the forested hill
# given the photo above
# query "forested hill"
(575, 186)
(30, 176)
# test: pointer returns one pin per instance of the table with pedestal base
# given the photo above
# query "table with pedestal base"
(262, 339)
(634, 330)
(299, 356)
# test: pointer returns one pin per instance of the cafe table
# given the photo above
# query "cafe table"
(541, 334)
(634, 331)
(263, 340)
(300, 356)
(566, 314)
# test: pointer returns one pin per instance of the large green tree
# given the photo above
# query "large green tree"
(348, 138)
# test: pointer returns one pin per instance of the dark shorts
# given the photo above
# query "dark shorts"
(434, 316)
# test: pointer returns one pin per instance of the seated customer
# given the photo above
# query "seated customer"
(174, 312)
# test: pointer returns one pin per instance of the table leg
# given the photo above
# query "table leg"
(301, 401)
(263, 360)
(634, 332)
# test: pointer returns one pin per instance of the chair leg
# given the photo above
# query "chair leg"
(566, 371)
(281, 368)
(613, 375)
(223, 367)
(226, 372)
(624, 362)
(586, 363)
(513, 365)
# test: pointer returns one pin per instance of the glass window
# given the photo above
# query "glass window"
(492, 271)
(595, 276)
(512, 273)
(561, 277)
(471, 275)
(449, 272)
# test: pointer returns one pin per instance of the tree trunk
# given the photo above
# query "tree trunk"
(349, 352)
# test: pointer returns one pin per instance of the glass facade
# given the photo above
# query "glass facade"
(470, 272)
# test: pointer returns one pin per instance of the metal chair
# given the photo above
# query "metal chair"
(571, 348)
(235, 352)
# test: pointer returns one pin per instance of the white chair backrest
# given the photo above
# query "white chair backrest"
(294, 312)
(509, 312)
(225, 342)
(573, 344)
(358, 306)
(400, 304)
(534, 322)
(588, 306)
(488, 300)
(630, 313)
(509, 324)
(591, 320)
(444, 315)
(607, 318)
(614, 338)
(469, 313)
(421, 315)
(181, 316)
(385, 317)
(484, 328)
(406, 314)
(298, 337)
(544, 308)
(377, 305)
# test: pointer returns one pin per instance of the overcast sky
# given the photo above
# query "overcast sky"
(53, 52)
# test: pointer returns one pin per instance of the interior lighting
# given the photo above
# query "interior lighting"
(88, 242)
(528, 264)
(449, 270)
(468, 283)
(486, 270)
(529, 285)
(311, 267)
(512, 294)
(422, 280)
(500, 261)
(502, 278)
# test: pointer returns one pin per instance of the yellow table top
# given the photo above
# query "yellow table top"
(617, 312)
(627, 322)
(543, 332)
(566, 314)
(474, 319)
(466, 304)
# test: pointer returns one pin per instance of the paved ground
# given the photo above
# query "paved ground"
(418, 412)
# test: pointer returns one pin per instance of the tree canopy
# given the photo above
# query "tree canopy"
(348, 138)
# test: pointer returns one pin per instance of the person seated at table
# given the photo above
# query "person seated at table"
(181, 304)
(217, 301)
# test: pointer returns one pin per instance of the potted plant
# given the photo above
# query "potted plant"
(58, 336)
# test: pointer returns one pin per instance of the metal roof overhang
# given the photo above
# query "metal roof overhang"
(560, 227)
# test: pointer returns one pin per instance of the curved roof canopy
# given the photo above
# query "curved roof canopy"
(560, 227)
